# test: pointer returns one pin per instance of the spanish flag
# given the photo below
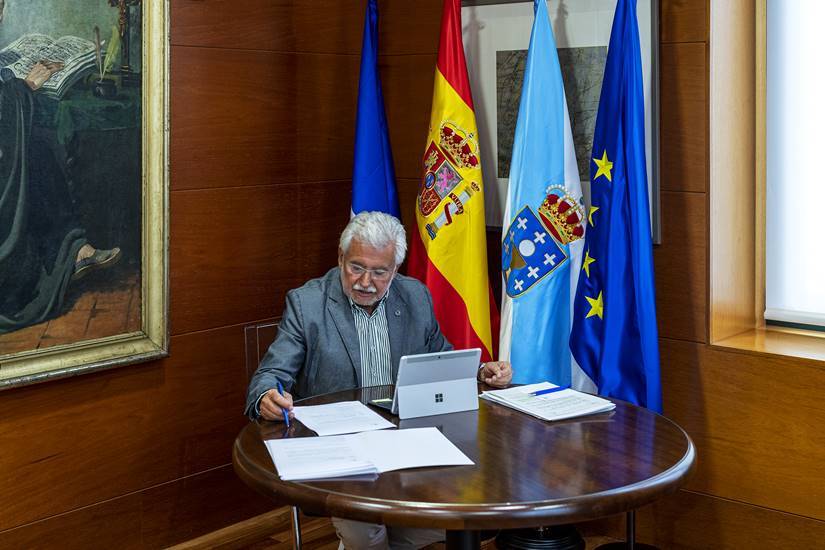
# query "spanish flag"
(449, 251)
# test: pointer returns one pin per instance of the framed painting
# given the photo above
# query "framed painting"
(83, 186)
(496, 38)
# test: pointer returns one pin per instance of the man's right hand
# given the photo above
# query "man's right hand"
(272, 405)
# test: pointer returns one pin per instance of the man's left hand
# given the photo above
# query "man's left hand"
(496, 373)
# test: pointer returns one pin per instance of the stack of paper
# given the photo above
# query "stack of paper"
(554, 405)
(305, 458)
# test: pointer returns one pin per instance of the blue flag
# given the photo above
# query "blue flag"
(614, 336)
(373, 175)
(543, 229)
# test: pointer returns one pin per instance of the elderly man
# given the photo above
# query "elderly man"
(348, 329)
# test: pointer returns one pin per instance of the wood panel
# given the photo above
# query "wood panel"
(681, 267)
(694, 521)
(684, 120)
(407, 196)
(79, 441)
(321, 214)
(408, 91)
(756, 421)
(253, 118)
(190, 507)
(323, 26)
(154, 518)
(683, 21)
(732, 169)
(235, 252)
(233, 118)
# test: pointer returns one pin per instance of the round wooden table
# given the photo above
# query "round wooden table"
(527, 472)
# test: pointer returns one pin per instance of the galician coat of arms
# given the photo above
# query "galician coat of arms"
(534, 245)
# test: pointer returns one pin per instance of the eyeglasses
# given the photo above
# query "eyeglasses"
(379, 274)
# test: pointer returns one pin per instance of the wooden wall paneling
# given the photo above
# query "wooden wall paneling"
(325, 102)
(198, 411)
(243, 118)
(681, 266)
(78, 441)
(732, 162)
(175, 512)
(684, 122)
(63, 444)
(233, 118)
(322, 26)
(323, 212)
(153, 518)
(683, 20)
(109, 524)
(408, 92)
(695, 521)
(409, 27)
(407, 198)
(233, 255)
(756, 421)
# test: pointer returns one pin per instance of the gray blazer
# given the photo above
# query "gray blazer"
(316, 350)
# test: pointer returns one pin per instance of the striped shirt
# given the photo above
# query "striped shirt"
(374, 342)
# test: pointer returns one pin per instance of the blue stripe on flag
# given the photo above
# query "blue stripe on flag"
(544, 195)
(373, 175)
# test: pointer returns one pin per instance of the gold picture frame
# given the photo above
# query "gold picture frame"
(151, 283)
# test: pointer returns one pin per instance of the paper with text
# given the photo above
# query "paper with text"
(345, 417)
(307, 458)
(558, 405)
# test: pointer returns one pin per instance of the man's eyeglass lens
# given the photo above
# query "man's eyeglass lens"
(358, 271)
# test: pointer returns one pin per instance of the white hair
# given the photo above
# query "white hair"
(377, 230)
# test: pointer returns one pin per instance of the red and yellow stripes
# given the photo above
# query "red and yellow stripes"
(448, 252)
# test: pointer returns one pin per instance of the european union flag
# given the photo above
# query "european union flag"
(373, 175)
(614, 337)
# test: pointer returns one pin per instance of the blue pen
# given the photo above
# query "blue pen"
(286, 412)
(551, 390)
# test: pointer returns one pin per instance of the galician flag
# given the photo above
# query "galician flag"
(448, 252)
(614, 335)
(544, 227)
(373, 175)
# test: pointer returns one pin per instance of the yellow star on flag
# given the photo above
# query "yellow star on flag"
(587, 261)
(605, 166)
(596, 306)
(590, 215)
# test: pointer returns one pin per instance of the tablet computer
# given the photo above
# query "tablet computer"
(435, 383)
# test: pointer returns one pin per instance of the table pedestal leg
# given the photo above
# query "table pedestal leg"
(558, 537)
(630, 540)
(463, 540)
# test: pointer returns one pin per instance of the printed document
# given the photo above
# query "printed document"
(345, 417)
(556, 405)
(306, 458)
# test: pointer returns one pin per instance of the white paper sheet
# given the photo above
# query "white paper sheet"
(306, 458)
(345, 417)
(558, 405)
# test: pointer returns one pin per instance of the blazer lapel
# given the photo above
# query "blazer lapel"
(397, 319)
(341, 313)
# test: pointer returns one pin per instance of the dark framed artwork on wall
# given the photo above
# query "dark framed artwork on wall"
(496, 37)
(83, 186)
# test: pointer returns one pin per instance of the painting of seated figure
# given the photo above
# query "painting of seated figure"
(76, 289)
